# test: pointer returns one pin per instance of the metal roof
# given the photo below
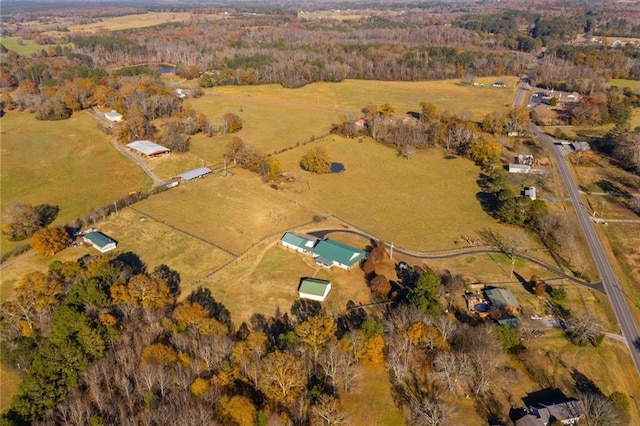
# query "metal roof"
(338, 252)
(501, 298)
(298, 241)
(98, 238)
(195, 173)
(148, 147)
(314, 286)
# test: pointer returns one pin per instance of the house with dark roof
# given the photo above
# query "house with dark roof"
(502, 299)
(297, 243)
(99, 241)
(329, 253)
(549, 405)
(314, 289)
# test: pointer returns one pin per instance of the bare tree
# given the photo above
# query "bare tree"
(427, 411)
(598, 410)
(452, 370)
(327, 412)
(584, 330)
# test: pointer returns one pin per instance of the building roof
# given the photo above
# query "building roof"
(195, 173)
(519, 166)
(298, 241)
(98, 238)
(114, 115)
(338, 252)
(314, 286)
(501, 298)
(148, 147)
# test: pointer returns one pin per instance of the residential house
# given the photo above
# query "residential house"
(502, 299)
(549, 405)
(314, 289)
(329, 253)
(298, 243)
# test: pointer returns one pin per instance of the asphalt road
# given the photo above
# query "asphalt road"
(607, 275)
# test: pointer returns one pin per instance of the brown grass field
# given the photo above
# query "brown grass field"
(67, 163)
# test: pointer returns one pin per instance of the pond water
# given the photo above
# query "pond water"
(337, 167)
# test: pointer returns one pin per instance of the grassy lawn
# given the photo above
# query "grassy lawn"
(9, 381)
(128, 22)
(67, 163)
(26, 47)
(267, 278)
(622, 83)
(372, 403)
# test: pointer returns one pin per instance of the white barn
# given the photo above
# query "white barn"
(314, 289)
(99, 241)
(113, 116)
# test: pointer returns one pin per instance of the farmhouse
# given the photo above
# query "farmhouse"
(329, 253)
(99, 241)
(193, 174)
(113, 116)
(314, 289)
(148, 148)
(297, 243)
(502, 299)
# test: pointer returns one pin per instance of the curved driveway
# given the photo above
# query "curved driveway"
(462, 252)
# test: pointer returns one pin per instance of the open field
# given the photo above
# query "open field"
(26, 47)
(622, 83)
(372, 403)
(67, 163)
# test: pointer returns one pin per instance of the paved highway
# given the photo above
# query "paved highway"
(607, 275)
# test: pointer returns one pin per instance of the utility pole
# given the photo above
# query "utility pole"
(602, 210)
(115, 205)
(391, 252)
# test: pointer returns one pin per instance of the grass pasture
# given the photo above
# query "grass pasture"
(233, 212)
(26, 47)
(67, 163)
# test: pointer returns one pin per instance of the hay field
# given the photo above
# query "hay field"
(68, 163)
(425, 203)
(276, 117)
(233, 212)
(143, 20)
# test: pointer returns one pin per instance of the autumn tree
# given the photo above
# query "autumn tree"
(327, 412)
(49, 241)
(231, 123)
(380, 286)
(174, 139)
(272, 168)
(485, 151)
(316, 332)
(317, 161)
(378, 253)
(20, 221)
(282, 377)
(237, 410)
(143, 291)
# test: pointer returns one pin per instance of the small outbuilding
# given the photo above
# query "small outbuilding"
(113, 116)
(519, 168)
(193, 174)
(148, 148)
(99, 241)
(530, 191)
(314, 289)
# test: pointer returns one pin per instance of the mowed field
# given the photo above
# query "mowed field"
(67, 163)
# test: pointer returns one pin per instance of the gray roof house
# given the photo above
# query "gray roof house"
(314, 289)
(569, 412)
(99, 241)
(501, 298)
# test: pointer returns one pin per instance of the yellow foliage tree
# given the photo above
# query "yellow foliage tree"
(158, 354)
(49, 241)
(316, 332)
(199, 387)
(282, 377)
(237, 410)
(375, 349)
(145, 292)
